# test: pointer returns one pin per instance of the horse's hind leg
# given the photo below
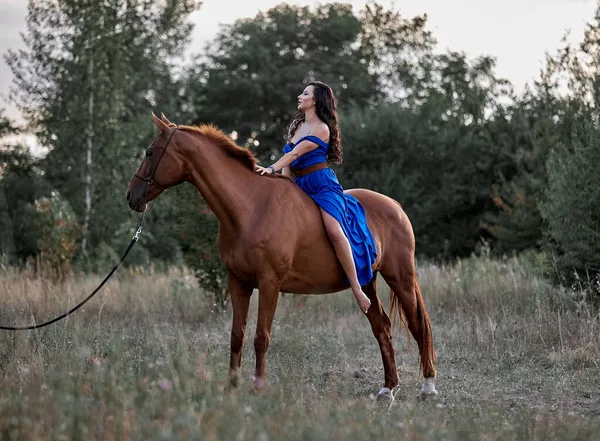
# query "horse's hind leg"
(406, 298)
(382, 330)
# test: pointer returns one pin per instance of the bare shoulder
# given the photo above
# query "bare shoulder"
(322, 131)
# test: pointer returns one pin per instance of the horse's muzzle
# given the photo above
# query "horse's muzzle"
(135, 203)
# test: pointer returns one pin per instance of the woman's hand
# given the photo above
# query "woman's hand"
(263, 170)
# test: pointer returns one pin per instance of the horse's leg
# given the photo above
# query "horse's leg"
(401, 276)
(268, 294)
(382, 330)
(240, 302)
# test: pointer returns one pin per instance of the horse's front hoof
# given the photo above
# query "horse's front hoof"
(428, 390)
(234, 380)
(385, 395)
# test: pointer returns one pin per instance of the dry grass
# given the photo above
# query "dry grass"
(147, 360)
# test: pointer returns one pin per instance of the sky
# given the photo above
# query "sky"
(517, 33)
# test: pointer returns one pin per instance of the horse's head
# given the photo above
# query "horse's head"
(161, 168)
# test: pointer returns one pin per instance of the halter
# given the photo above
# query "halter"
(150, 181)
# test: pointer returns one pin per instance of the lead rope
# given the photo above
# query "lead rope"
(134, 240)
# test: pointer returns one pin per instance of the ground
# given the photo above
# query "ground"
(147, 359)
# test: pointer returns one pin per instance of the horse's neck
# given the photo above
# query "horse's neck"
(227, 185)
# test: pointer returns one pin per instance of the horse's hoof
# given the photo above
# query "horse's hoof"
(385, 395)
(428, 390)
(234, 381)
(429, 396)
(258, 384)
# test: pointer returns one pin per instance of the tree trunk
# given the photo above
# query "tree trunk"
(88, 163)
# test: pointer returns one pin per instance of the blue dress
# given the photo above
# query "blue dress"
(323, 187)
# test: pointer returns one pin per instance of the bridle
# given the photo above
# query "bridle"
(150, 181)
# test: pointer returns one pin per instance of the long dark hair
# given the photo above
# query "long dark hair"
(326, 109)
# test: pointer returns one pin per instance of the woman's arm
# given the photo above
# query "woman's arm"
(299, 150)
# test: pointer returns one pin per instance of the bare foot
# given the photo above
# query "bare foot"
(363, 301)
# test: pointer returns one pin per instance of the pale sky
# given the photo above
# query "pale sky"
(516, 32)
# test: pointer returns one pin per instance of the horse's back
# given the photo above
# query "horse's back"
(389, 224)
(378, 204)
(378, 207)
(315, 267)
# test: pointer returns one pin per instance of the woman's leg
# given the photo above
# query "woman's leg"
(344, 253)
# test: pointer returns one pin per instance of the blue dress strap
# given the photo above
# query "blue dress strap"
(314, 139)
(290, 146)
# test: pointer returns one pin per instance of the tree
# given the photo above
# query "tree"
(556, 115)
(399, 50)
(21, 184)
(571, 201)
(524, 134)
(85, 82)
(254, 70)
(437, 158)
(571, 204)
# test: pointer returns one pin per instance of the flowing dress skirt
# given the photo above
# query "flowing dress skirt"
(323, 187)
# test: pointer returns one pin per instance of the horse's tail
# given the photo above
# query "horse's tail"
(421, 327)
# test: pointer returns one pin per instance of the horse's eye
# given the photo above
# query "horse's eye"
(148, 153)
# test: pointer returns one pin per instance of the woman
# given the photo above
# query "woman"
(314, 139)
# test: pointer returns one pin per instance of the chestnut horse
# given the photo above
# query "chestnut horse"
(272, 237)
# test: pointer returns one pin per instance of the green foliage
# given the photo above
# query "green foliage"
(438, 158)
(253, 71)
(86, 81)
(21, 184)
(468, 159)
(18, 218)
(399, 50)
(196, 233)
(58, 233)
(571, 206)
(543, 119)
(7, 127)
(523, 134)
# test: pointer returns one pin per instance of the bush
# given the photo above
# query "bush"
(196, 232)
(58, 234)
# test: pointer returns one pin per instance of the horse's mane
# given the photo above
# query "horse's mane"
(244, 155)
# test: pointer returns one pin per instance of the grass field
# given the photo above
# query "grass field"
(147, 359)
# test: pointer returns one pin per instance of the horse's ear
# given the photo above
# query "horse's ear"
(165, 120)
(159, 123)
